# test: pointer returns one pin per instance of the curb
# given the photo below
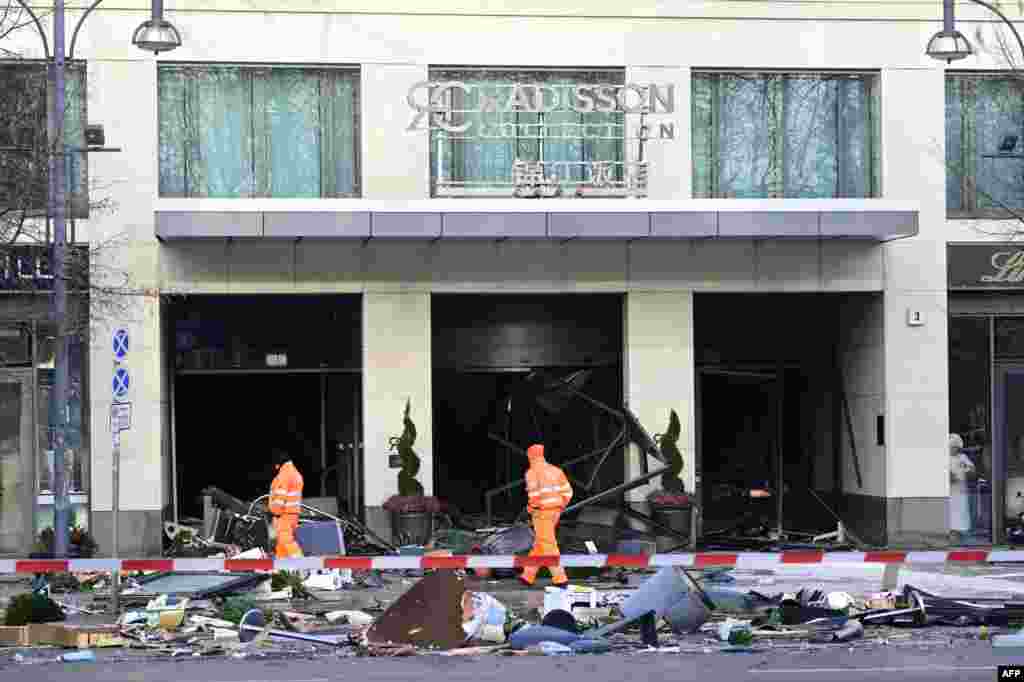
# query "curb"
(748, 560)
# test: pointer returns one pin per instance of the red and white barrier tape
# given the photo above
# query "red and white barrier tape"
(399, 563)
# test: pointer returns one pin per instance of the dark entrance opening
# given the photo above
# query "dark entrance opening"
(767, 392)
(254, 373)
(485, 348)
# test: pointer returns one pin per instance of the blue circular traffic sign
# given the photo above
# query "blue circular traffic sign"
(121, 382)
(120, 343)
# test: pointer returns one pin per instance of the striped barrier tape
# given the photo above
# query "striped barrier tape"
(699, 560)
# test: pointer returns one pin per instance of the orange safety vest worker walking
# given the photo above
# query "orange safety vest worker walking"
(285, 503)
(549, 493)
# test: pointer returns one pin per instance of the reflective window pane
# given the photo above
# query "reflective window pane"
(970, 508)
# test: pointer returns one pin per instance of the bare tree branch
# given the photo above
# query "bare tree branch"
(100, 288)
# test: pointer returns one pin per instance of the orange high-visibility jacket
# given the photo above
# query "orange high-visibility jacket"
(546, 485)
(286, 491)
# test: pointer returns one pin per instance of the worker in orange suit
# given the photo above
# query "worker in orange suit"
(285, 503)
(548, 492)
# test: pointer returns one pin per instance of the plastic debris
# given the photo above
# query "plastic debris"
(483, 617)
(569, 598)
(735, 632)
(357, 618)
(852, 630)
(554, 649)
(532, 635)
(668, 595)
(839, 600)
(78, 657)
(331, 579)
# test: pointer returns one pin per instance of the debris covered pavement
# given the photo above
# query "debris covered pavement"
(457, 613)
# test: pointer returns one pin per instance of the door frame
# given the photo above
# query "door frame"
(26, 377)
(355, 448)
(1001, 371)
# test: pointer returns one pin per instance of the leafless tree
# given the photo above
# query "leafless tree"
(997, 193)
(99, 289)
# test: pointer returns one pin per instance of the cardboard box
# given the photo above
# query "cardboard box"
(74, 637)
(14, 636)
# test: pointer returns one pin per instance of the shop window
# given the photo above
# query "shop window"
(984, 145)
(489, 143)
(969, 401)
(234, 131)
(774, 135)
(24, 150)
(76, 459)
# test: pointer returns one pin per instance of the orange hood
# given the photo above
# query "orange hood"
(536, 454)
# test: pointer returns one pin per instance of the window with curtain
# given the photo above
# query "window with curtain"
(24, 137)
(254, 131)
(984, 144)
(480, 160)
(780, 135)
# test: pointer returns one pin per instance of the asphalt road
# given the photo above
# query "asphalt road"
(967, 661)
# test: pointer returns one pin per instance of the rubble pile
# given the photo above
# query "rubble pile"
(454, 613)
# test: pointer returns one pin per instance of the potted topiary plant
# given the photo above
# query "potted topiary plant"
(412, 513)
(671, 506)
(81, 544)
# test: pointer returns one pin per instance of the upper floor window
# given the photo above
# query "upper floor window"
(258, 131)
(502, 132)
(984, 144)
(780, 135)
(25, 145)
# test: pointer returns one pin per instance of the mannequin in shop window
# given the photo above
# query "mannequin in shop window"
(961, 469)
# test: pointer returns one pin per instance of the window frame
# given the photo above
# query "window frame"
(873, 156)
(968, 187)
(255, 160)
(454, 148)
(76, 158)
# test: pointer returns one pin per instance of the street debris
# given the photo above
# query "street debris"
(672, 610)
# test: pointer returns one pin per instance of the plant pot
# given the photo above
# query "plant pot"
(675, 518)
(411, 528)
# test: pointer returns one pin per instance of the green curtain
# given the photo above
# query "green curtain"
(480, 160)
(762, 135)
(257, 132)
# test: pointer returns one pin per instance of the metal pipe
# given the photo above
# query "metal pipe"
(59, 266)
(78, 26)
(947, 16)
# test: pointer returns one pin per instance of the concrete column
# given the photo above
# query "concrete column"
(660, 373)
(669, 160)
(142, 468)
(395, 163)
(396, 368)
(126, 254)
(916, 355)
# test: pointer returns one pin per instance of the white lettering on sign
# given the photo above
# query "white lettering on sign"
(434, 103)
(1009, 267)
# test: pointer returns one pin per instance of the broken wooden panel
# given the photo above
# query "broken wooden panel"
(430, 614)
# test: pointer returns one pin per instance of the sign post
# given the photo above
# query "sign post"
(120, 420)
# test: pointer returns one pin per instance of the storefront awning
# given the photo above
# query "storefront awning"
(556, 219)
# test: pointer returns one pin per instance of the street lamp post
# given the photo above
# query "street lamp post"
(158, 36)
(949, 44)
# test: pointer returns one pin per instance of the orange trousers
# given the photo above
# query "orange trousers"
(287, 547)
(545, 544)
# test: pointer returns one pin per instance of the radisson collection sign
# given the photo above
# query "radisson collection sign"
(433, 103)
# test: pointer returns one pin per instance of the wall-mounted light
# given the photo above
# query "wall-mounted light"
(157, 34)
